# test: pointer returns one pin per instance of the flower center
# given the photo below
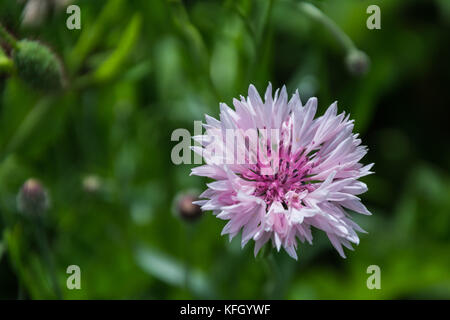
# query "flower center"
(289, 180)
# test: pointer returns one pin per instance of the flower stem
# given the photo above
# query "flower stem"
(187, 255)
(274, 276)
(8, 37)
(190, 32)
(45, 249)
(317, 15)
(264, 23)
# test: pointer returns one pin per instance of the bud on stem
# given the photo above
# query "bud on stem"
(32, 199)
(186, 209)
(357, 61)
(38, 66)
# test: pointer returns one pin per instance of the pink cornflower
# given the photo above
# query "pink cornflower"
(293, 172)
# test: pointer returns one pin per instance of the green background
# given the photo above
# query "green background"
(139, 69)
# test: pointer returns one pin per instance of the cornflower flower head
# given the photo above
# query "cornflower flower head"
(278, 171)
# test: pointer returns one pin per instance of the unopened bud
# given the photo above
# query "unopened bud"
(32, 199)
(38, 66)
(186, 209)
(358, 62)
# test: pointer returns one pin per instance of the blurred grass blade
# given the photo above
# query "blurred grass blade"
(160, 266)
(190, 32)
(171, 271)
(112, 65)
(28, 125)
(29, 274)
(91, 35)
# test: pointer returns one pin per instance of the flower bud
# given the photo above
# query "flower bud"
(358, 62)
(186, 209)
(38, 66)
(32, 199)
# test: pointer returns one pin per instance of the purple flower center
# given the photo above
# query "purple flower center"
(290, 179)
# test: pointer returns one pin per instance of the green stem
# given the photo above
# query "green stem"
(317, 15)
(8, 37)
(190, 32)
(187, 247)
(246, 23)
(262, 41)
(264, 22)
(273, 271)
(46, 253)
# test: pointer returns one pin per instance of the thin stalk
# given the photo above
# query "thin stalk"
(314, 13)
(277, 276)
(233, 7)
(273, 272)
(190, 32)
(262, 39)
(264, 22)
(47, 256)
(187, 261)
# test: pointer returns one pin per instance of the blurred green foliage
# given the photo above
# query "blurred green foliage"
(139, 69)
